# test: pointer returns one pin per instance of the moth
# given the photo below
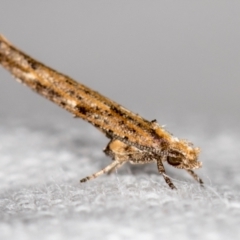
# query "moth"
(132, 138)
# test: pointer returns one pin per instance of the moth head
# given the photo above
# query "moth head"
(184, 156)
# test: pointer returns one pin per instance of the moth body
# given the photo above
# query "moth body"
(132, 138)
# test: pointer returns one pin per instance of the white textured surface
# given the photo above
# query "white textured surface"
(41, 197)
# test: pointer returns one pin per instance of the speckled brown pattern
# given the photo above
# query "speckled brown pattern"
(132, 138)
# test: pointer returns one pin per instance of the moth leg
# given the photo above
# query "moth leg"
(195, 176)
(115, 168)
(104, 170)
(122, 152)
(162, 171)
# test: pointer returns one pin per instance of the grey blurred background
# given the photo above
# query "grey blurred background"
(177, 61)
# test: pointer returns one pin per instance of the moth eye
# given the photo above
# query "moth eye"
(174, 161)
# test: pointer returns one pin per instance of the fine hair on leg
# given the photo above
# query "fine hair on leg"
(162, 171)
(108, 168)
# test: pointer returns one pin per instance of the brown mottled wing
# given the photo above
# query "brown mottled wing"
(103, 113)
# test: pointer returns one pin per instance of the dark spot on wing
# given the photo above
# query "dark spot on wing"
(105, 121)
(33, 65)
(108, 114)
(82, 110)
(86, 91)
(96, 125)
(121, 122)
(109, 133)
(138, 124)
(39, 87)
(133, 130)
(54, 94)
(117, 110)
(69, 82)
(63, 103)
(71, 92)
(43, 89)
